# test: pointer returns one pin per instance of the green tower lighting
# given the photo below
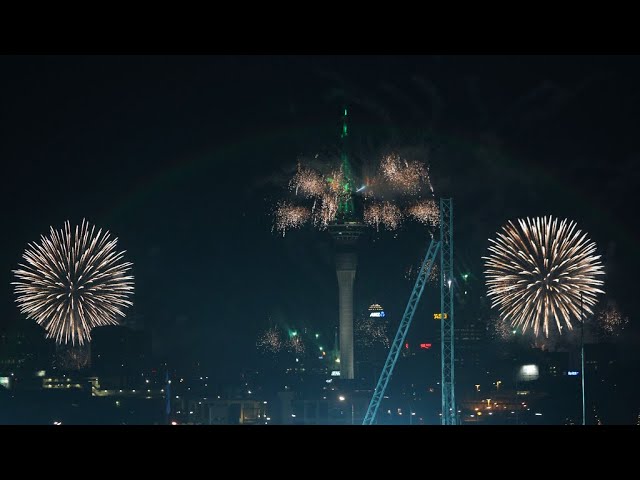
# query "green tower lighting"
(345, 205)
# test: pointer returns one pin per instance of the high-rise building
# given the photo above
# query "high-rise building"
(371, 343)
(23, 347)
(470, 341)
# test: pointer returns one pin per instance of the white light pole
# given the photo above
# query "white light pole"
(584, 417)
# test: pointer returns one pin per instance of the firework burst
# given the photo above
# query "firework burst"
(500, 328)
(385, 213)
(73, 282)
(270, 341)
(612, 321)
(295, 345)
(369, 333)
(373, 215)
(307, 183)
(403, 175)
(337, 183)
(539, 270)
(288, 216)
(426, 212)
(386, 198)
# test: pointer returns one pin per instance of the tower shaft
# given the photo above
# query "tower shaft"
(346, 263)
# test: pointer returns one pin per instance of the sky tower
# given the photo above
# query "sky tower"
(346, 230)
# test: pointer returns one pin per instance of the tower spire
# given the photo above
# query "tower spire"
(344, 132)
(345, 207)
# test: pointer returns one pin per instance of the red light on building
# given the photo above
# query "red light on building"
(425, 346)
(406, 345)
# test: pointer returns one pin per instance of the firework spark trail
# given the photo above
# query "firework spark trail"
(409, 273)
(270, 341)
(385, 213)
(434, 274)
(429, 182)
(72, 283)
(537, 273)
(288, 216)
(336, 182)
(426, 212)
(412, 272)
(326, 212)
(612, 321)
(391, 216)
(307, 182)
(373, 215)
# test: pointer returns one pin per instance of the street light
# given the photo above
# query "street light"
(342, 398)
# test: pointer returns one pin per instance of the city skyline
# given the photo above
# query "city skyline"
(184, 159)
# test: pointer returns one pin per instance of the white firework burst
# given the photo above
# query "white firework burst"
(72, 282)
(542, 270)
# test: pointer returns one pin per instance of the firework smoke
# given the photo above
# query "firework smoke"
(73, 282)
(538, 270)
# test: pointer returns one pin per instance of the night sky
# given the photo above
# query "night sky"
(183, 159)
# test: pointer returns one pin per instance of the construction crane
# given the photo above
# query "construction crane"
(396, 346)
(447, 284)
